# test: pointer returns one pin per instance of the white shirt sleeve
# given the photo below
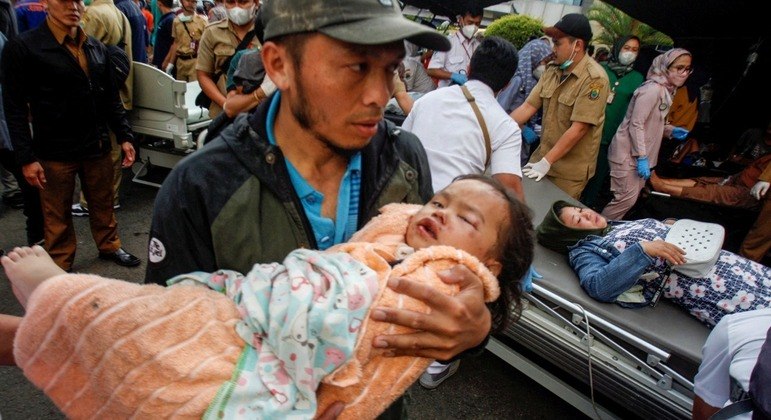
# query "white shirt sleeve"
(437, 60)
(507, 146)
(713, 382)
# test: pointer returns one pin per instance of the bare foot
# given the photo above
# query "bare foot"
(27, 268)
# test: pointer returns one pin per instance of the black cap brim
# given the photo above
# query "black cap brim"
(382, 30)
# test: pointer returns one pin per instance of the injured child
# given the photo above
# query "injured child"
(284, 340)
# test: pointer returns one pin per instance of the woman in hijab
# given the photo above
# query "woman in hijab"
(635, 147)
(532, 62)
(626, 263)
(623, 82)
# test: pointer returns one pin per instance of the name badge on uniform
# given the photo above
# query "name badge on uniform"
(192, 45)
(611, 96)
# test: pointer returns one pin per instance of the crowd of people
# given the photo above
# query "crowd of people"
(303, 160)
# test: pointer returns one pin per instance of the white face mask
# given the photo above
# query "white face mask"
(185, 18)
(241, 16)
(469, 30)
(538, 71)
(627, 57)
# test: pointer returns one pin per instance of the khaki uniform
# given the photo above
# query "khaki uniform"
(581, 97)
(186, 37)
(105, 22)
(218, 42)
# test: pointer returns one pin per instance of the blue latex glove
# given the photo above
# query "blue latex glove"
(458, 78)
(528, 135)
(527, 279)
(679, 133)
(643, 168)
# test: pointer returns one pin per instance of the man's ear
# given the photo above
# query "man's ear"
(277, 63)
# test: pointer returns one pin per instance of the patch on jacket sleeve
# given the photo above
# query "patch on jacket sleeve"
(156, 251)
(594, 90)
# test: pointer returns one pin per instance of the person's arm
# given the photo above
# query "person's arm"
(566, 142)
(180, 234)
(441, 74)
(646, 101)
(712, 384)
(170, 57)
(513, 183)
(702, 410)
(603, 276)
(238, 102)
(436, 66)
(523, 113)
(403, 99)
(9, 324)
(455, 324)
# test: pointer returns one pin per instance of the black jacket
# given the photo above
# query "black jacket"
(232, 204)
(70, 110)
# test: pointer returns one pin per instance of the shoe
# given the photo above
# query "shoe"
(78, 210)
(431, 381)
(121, 257)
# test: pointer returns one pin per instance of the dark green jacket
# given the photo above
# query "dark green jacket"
(232, 204)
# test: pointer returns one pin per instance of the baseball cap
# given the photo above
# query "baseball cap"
(572, 24)
(367, 22)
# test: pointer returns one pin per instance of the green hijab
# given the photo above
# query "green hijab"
(557, 236)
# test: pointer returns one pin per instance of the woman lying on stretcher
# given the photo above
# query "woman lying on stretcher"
(284, 339)
(626, 263)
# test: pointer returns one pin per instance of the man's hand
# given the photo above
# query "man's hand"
(458, 78)
(456, 323)
(660, 249)
(35, 175)
(679, 133)
(128, 154)
(537, 170)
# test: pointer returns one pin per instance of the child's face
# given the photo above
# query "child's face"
(468, 215)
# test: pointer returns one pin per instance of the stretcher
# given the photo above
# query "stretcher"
(642, 361)
(166, 119)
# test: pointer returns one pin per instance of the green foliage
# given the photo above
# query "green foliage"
(616, 24)
(517, 29)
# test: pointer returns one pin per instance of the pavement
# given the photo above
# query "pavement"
(485, 387)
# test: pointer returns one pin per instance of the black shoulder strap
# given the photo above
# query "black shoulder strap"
(241, 45)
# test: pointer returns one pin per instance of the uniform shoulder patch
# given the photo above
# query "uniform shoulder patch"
(594, 90)
(156, 251)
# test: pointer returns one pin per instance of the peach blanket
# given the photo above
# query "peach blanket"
(106, 349)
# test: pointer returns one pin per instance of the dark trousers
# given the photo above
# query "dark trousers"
(96, 183)
(32, 209)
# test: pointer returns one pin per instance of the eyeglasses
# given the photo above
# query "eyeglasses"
(682, 69)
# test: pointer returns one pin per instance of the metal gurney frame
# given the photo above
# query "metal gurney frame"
(165, 110)
(642, 359)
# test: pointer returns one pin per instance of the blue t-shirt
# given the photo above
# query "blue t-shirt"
(163, 40)
(327, 232)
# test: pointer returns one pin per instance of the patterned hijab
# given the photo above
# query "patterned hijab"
(613, 64)
(658, 73)
(529, 56)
